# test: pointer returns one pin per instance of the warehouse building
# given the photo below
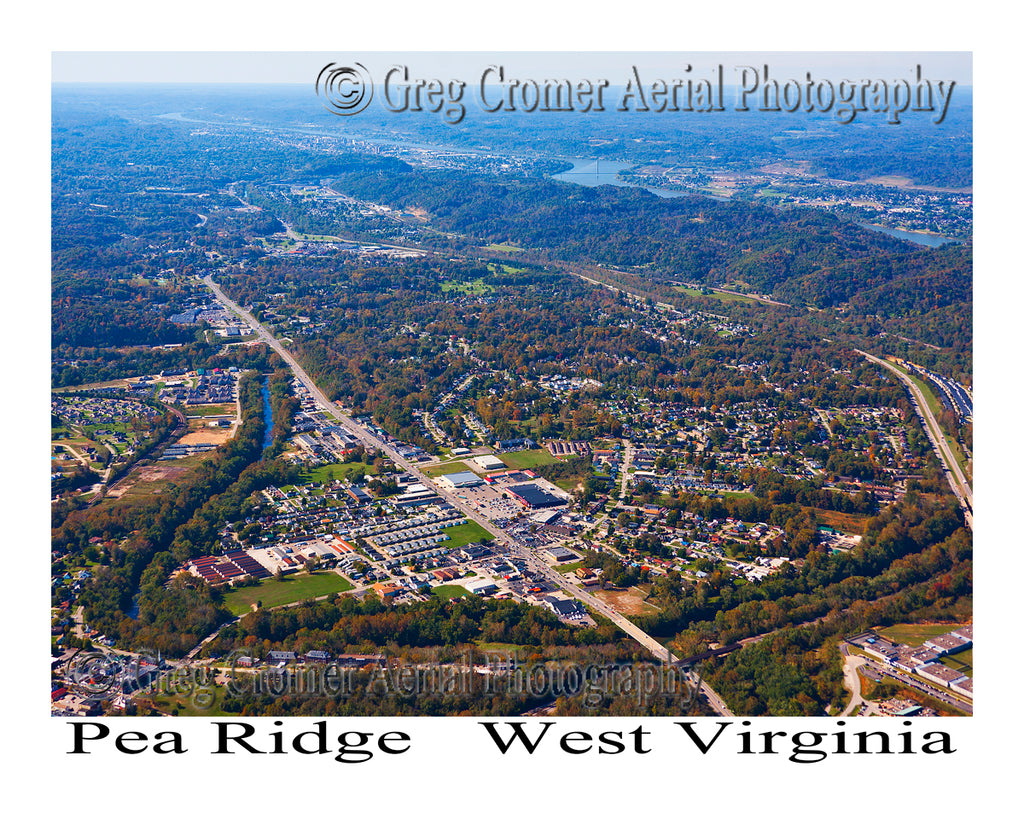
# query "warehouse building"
(533, 497)
(460, 480)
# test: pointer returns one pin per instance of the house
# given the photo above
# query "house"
(386, 590)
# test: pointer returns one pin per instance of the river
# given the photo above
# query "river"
(925, 239)
(593, 172)
(268, 415)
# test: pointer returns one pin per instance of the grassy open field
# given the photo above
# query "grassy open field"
(210, 409)
(313, 237)
(500, 648)
(723, 297)
(447, 592)
(195, 704)
(505, 268)
(567, 484)
(466, 533)
(325, 473)
(527, 458)
(291, 589)
(447, 469)
(914, 634)
(503, 246)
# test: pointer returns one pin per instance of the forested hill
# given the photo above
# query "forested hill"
(800, 256)
(690, 237)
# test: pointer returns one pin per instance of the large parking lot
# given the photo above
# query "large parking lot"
(489, 502)
(495, 503)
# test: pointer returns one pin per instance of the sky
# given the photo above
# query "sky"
(300, 67)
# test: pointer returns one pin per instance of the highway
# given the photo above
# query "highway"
(499, 534)
(944, 696)
(957, 481)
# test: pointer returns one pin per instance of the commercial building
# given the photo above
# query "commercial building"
(460, 480)
(560, 554)
(569, 609)
(488, 462)
(482, 586)
(941, 674)
(533, 497)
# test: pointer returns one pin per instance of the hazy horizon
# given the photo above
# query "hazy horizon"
(300, 68)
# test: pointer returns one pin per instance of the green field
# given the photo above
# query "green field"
(312, 237)
(565, 568)
(527, 458)
(448, 591)
(325, 473)
(567, 484)
(724, 297)
(505, 268)
(194, 704)
(914, 634)
(468, 532)
(499, 648)
(448, 468)
(503, 246)
(281, 592)
(210, 409)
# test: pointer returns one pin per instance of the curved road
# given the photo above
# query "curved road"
(957, 481)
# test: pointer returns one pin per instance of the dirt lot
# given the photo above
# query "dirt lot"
(627, 602)
(144, 480)
(206, 435)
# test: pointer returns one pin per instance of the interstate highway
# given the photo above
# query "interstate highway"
(957, 481)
